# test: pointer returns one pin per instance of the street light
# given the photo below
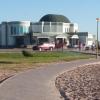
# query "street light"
(97, 19)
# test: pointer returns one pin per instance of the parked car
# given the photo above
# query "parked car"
(88, 47)
(44, 46)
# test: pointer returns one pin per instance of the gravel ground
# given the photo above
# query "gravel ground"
(81, 83)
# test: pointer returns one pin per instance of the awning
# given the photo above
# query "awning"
(75, 37)
(43, 37)
(61, 36)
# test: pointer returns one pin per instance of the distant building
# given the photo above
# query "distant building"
(86, 38)
(50, 28)
(14, 33)
(55, 27)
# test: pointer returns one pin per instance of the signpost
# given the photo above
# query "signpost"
(97, 19)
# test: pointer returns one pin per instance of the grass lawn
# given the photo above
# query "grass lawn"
(17, 62)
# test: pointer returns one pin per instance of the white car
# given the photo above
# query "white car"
(46, 46)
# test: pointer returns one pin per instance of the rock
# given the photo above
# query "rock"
(82, 83)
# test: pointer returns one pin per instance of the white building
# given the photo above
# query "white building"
(54, 26)
(13, 33)
(50, 28)
(86, 38)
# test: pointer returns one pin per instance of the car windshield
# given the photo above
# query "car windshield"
(43, 40)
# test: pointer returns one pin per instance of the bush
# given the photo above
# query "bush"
(27, 53)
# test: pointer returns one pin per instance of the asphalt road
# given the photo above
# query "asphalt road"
(37, 84)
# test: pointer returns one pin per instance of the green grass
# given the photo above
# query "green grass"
(16, 61)
(41, 57)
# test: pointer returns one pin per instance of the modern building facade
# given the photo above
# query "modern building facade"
(50, 28)
(86, 38)
(14, 33)
(55, 27)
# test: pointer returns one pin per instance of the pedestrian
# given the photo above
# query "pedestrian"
(93, 47)
(80, 46)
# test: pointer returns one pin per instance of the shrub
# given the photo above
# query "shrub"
(27, 53)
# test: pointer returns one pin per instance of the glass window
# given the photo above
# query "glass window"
(26, 29)
(17, 30)
(12, 30)
(20, 30)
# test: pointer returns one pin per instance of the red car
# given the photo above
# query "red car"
(46, 46)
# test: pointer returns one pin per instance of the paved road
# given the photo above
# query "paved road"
(37, 84)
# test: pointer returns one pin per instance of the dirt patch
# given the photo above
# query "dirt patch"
(82, 83)
(5, 74)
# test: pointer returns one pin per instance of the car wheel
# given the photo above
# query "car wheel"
(40, 49)
(51, 48)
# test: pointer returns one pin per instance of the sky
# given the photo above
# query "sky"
(82, 12)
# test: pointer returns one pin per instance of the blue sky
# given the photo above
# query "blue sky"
(83, 12)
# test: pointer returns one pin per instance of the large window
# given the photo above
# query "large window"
(43, 40)
(19, 30)
(13, 30)
(25, 29)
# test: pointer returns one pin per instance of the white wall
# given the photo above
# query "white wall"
(54, 27)
(57, 27)
(60, 28)
(46, 27)
(74, 27)
(43, 27)
(90, 39)
(36, 27)
(66, 27)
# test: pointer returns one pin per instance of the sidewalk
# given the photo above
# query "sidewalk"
(84, 51)
(37, 84)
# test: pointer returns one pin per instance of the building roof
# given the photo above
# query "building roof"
(54, 18)
(19, 22)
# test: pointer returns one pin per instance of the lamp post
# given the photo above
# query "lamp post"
(97, 19)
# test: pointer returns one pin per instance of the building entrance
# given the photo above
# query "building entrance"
(19, 41)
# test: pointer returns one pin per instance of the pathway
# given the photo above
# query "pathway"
(37, 84)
